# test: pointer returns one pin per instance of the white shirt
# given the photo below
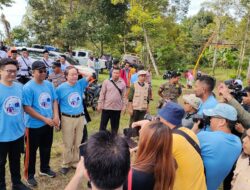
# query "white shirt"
(3, 54)
(24, 63)
(48, 62)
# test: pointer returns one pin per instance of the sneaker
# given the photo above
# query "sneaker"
(64, 171)
(49, 173)
(20, 186)
(31, 182)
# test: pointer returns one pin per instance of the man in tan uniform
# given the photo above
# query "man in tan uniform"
(138, 98)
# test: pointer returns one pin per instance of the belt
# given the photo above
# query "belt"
(73, 116)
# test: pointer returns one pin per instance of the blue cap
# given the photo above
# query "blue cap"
(172, 112)
(223, 110)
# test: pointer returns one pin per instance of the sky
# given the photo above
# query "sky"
(14, 14)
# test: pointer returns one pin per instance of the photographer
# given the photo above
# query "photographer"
(190, 172)
(105, 161)
(191, 106)
(170, 90)
(154, 166)
(219, 143)
(243, 115)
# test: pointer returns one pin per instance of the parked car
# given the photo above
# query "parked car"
(37, 54)
(131, 58)
(83, 55)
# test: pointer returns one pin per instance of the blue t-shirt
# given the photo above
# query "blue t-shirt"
(11, 112)
(210, 103)
(40, 97)
(219, 152)
(70, 97)
(134, 78)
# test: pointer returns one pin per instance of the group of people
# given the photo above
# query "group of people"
(32, 110)
(174, 151)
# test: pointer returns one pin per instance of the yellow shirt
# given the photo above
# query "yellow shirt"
(190, 171)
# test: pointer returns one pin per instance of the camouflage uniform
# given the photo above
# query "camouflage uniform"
(169, 92)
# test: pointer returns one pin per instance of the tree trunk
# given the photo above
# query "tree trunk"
(150, 52)
(71, 6)
(242, 55)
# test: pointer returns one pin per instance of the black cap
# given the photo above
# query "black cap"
(13, 51)
(175, 74)
(56, 64)
(8, 61)
(38, 65)
(24, 49)
(45, 51)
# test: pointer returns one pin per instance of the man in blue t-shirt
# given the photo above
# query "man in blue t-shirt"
(72, 116)
(11, 123)
(203, 89)
(40, 104)
(220, 148)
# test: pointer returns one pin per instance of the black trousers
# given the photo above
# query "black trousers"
(41, 138)
(23, 79)
(137, 115)
(113, 116)
(13, 150)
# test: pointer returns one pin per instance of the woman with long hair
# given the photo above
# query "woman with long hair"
(154, 167)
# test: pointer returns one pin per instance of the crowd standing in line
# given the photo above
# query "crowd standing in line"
(174, 151)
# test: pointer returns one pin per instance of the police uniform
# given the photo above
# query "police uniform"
(48, 63)
(169, 92)
(25, 64)
(3, 54)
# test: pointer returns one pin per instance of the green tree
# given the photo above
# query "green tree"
(20, 34)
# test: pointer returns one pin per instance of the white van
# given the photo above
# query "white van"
(83, 55)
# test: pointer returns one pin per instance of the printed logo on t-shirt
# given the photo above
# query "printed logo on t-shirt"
(74, 99)
(45, 100)
(12, 105)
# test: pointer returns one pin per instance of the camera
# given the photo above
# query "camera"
(204, 120)
(171, 74)
(236, 86)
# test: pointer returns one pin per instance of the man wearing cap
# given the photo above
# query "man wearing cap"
(219, 148)
(190, 171)
(48, 62)
(242, 171)
(57, 77)
(112, 101)
(72, 116)
(170, 90)
(63, 62)
(25, 62)
(11, 124)
(191, 106)
(138, 98)
(40, 104)
(134, 77)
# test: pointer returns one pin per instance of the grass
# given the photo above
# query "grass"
(61, 181)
